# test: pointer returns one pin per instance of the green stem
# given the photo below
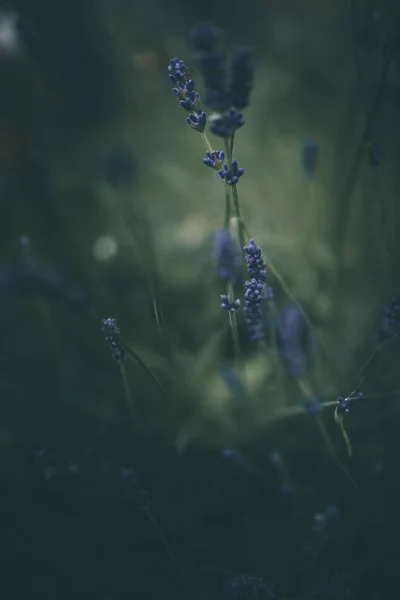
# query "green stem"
(227, 216)
(127, 389)
(229, 143)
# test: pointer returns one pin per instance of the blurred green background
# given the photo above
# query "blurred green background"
(107, 210)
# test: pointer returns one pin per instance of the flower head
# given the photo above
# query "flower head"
(232, 175)
(187, 96)
(256, 290)
(214, 159)
(255, 262)
(228, 304)
(197, 120)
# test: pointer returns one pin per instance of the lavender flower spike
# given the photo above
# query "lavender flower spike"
(255, 262)
(113, 340)
(188, 98)
(256, 290)
(227, 304)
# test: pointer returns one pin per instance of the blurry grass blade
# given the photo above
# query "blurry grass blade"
(135, 357)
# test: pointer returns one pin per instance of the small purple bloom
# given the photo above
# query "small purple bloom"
(214, 159)
(227, 304)
(197, 120)
(231, 176)
(342, 405)
(178, 71)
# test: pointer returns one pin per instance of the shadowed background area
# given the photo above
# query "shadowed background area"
(199, 463)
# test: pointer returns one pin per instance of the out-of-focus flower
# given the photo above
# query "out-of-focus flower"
(309, 158)
(293, 339)
(390, 320)
(228, 255)
(204, 40)
(225, 125)
(242, 75)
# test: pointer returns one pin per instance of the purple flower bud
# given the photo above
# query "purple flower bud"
(197, 120)
(214, 159)
(226, 303)
(231, 176)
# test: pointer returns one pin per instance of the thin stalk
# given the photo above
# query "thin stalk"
(227, 216)
(127, 389)
(136, 358)
(229, 142)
